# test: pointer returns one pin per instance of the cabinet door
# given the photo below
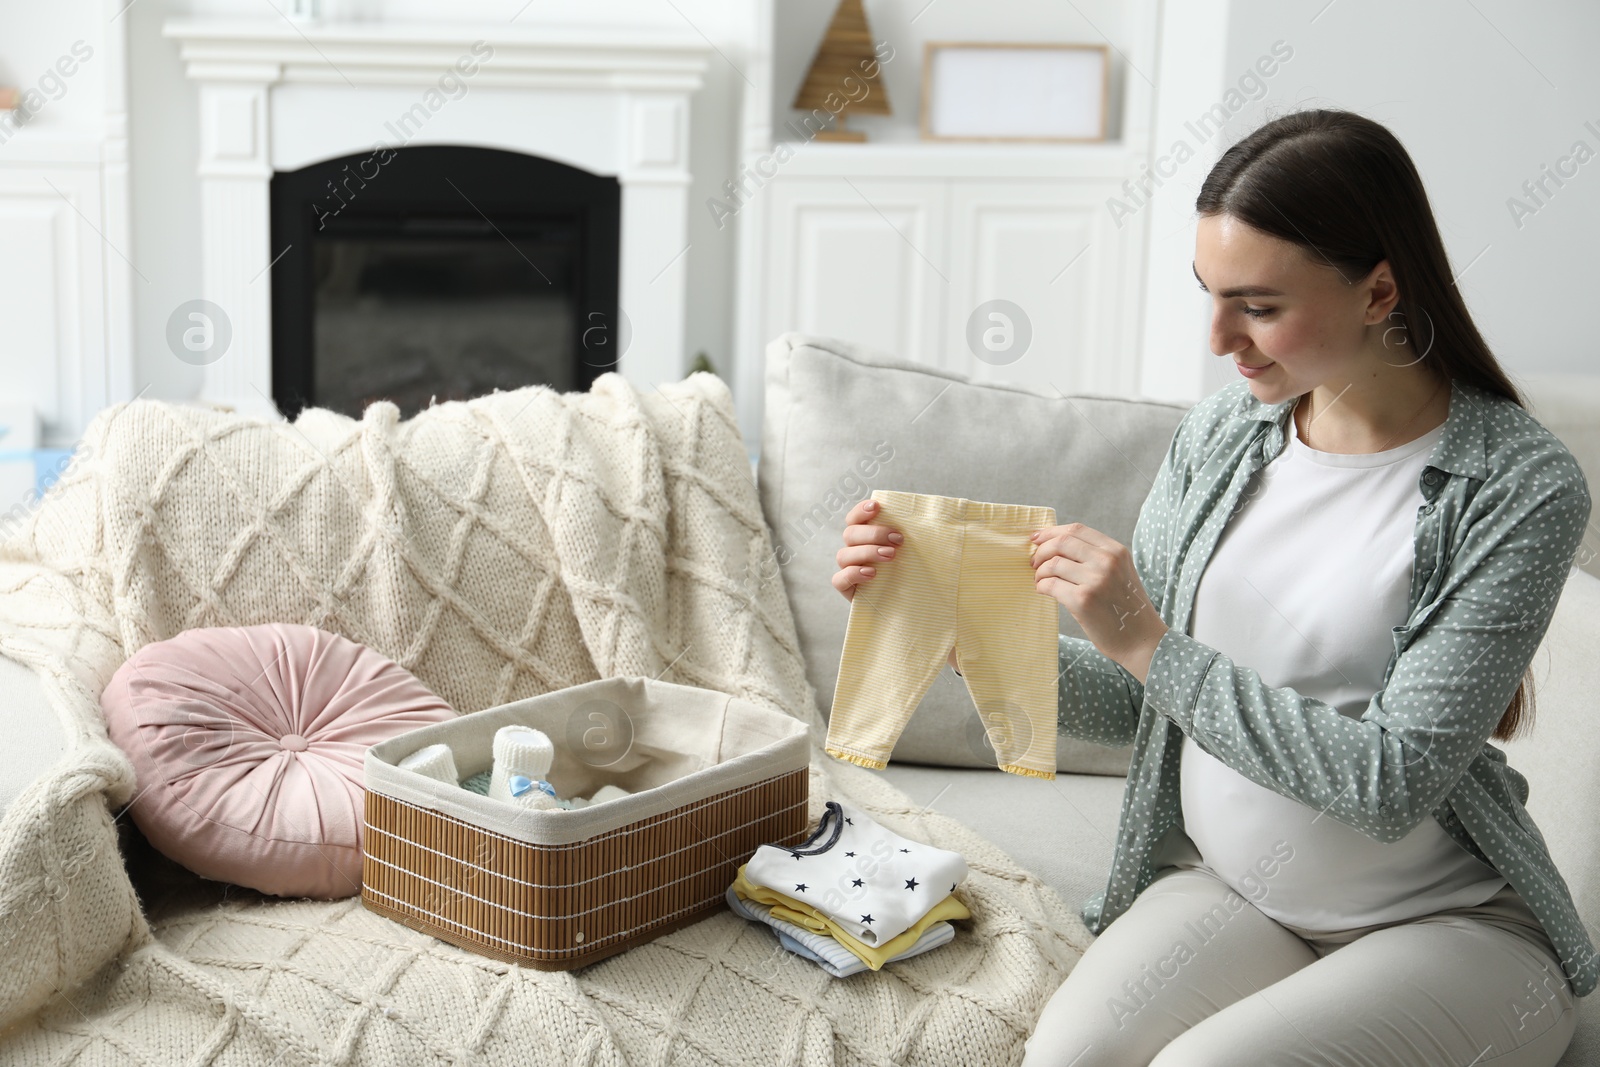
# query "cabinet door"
(52, 294)
(1052, 249)
(860, 259)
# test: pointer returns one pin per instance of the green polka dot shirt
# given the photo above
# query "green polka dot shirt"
(1504, 514)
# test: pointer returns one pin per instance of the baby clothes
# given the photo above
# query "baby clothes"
(938, 934)
(962, 577)
(824, 950)
(479, 784)
(787, 915)
(435, 761)
(522, 759)
(857, 877)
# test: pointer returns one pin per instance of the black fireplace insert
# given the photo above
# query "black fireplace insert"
(440, 272)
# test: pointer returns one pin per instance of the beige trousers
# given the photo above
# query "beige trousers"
(1194, 975)
(962, 577)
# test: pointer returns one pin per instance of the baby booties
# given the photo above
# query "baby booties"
(435, 761)
(522, 758)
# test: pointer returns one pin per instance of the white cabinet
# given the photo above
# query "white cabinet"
(860, 259)
(53, 292)
(1052, 249)
(67, 278)
(897, 246)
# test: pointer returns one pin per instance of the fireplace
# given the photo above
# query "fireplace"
(277, 99)
(440, 272)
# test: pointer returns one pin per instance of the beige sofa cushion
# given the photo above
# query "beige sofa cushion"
(842, 420)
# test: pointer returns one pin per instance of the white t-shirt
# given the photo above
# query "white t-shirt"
(1304, 586)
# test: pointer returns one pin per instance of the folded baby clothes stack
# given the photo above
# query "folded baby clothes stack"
(824, 949)
(872, 892)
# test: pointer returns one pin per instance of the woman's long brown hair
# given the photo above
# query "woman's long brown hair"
(1344, 189)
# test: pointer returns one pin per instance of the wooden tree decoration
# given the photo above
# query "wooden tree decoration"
(843, 78)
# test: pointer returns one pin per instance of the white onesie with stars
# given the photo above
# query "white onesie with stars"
(871, 881)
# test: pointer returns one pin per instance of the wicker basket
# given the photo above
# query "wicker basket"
(712, 777)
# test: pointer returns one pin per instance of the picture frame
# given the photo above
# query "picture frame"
(1014, 91)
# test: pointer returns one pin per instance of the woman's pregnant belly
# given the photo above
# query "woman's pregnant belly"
(1306, 868)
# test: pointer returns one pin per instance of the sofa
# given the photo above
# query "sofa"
(830, 404)
(839, 421)
(510, 545)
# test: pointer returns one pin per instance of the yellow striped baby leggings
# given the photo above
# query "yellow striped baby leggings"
(963, 577)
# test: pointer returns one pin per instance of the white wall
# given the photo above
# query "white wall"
(163, 145)
(1482, 95)
(1190, 78)
(32, 38)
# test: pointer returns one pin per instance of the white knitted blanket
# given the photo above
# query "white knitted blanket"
(498, 548)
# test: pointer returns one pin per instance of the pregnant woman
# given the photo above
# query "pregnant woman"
(1335, 587)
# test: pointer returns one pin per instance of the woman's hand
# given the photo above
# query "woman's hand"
(1093, 577)
(867, 545)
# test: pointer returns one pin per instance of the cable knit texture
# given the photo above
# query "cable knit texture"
(497, 548)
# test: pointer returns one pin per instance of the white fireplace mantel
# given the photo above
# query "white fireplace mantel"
(278, 96)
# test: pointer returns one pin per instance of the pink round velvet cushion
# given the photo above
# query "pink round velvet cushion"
(248, 743)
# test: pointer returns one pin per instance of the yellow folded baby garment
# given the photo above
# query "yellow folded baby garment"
(804, 915)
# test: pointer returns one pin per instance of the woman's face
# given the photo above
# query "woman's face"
(1273, 308)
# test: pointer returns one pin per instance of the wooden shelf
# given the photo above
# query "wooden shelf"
(947, 159)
